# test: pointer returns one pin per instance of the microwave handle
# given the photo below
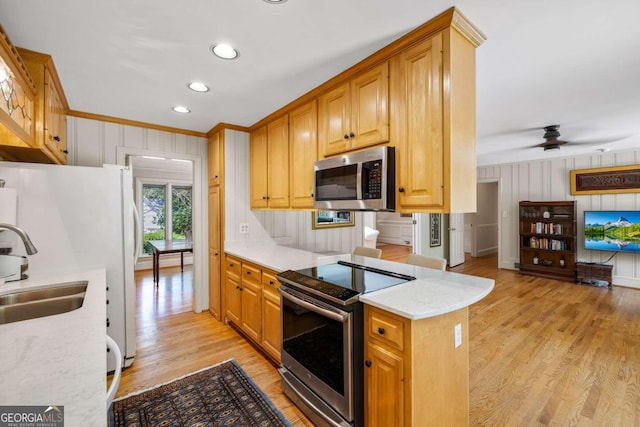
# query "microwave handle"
(359, 182)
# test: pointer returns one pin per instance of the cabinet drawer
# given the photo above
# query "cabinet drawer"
(386, 329)
(269, 281)
(251, 274)
(232, 265)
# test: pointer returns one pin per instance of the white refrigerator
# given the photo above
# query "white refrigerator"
(80, 218)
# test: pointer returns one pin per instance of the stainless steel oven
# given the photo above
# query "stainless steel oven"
(322, 339)
(319, 354)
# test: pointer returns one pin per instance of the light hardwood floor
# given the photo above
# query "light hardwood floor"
(542, 352)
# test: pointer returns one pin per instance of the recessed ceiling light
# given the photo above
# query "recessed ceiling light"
(224, 51)
(198, 87)
(181, 109)
(275, 1)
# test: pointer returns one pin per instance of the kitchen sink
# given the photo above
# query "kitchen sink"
(53, 291)
(56, 299)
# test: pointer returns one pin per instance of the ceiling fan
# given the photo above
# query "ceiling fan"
(551, 135)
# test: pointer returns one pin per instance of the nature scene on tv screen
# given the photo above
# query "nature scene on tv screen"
(612, 230)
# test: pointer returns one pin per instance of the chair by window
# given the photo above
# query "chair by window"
(427, 261)
(370, 252)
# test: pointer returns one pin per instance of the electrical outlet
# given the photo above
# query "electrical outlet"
(457, 335)
(244, 228)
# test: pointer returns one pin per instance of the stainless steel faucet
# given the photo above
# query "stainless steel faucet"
(28, 245)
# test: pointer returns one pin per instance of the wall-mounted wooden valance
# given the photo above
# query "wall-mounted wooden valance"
(616, 179)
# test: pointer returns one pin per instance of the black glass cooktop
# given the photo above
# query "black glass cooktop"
(342, 282)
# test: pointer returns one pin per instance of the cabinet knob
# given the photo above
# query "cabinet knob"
(56, 138)
(381, 331)
(367, 363)
(264, 197)
(215, 177)
(311, 194)
(271, 282)
(401, 189)
(352, 135)
(346, 136)
(248, 272)
(65, 151)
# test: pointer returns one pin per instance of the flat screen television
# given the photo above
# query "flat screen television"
(612, 231)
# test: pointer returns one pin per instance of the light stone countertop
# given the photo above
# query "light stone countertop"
(280, 258)
(433, 292)
(61, 359)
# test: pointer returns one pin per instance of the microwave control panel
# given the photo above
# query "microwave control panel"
(372, 180)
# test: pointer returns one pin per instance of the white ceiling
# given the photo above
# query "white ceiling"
(570, 62)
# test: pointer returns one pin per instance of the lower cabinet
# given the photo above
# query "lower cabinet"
(252, 303)
(271, 330)
(414, 372)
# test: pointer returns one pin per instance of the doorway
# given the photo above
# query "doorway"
(199, 274)
(482, 228)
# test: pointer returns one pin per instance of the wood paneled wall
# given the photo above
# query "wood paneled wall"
(549, 180)
(290, 228)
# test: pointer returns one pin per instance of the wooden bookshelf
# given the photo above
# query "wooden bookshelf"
(548, 239)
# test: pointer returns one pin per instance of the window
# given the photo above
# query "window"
(165, 218)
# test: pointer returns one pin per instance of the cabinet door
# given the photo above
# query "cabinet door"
(278, 162)
(334, 114)
(420, 127)
(214, 247)
(55, 131)
(303, 152)
(369, 107)
(271, 334)
(384, 387)
(252, 302)
(214, 283)
(258, 158)
(215, 146)
(233, 298)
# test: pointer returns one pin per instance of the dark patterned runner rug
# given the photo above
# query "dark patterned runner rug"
(221, 395)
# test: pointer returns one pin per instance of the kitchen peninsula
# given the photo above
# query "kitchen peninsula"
(416, 351)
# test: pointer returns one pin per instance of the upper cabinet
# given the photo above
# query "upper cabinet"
(269, 157)
(303, 152)
(433, 124)
(418, 94)
(355, 114)
(18, 90)
(216, 156)
(50, 109)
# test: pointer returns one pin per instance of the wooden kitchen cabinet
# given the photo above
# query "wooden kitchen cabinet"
(269, 159)
(433, 120)
(414, 373)
(253, 303)
(271, 329)
(233, 292)
(50, 139)
(355, 114)
(214, 252)
(303, 152)
(251, 289)
(17, 103)
(216, 156)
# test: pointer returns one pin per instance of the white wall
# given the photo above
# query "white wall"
(290, 228)
(544, 180)
(441, 251)
(93, 143)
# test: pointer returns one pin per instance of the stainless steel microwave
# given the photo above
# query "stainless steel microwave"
(364, 180)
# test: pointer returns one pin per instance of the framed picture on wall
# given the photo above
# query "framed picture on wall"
(435, 229)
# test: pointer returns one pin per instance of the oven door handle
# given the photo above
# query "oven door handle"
(338, 316)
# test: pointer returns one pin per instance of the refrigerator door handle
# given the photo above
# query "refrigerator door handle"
(136, 231)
